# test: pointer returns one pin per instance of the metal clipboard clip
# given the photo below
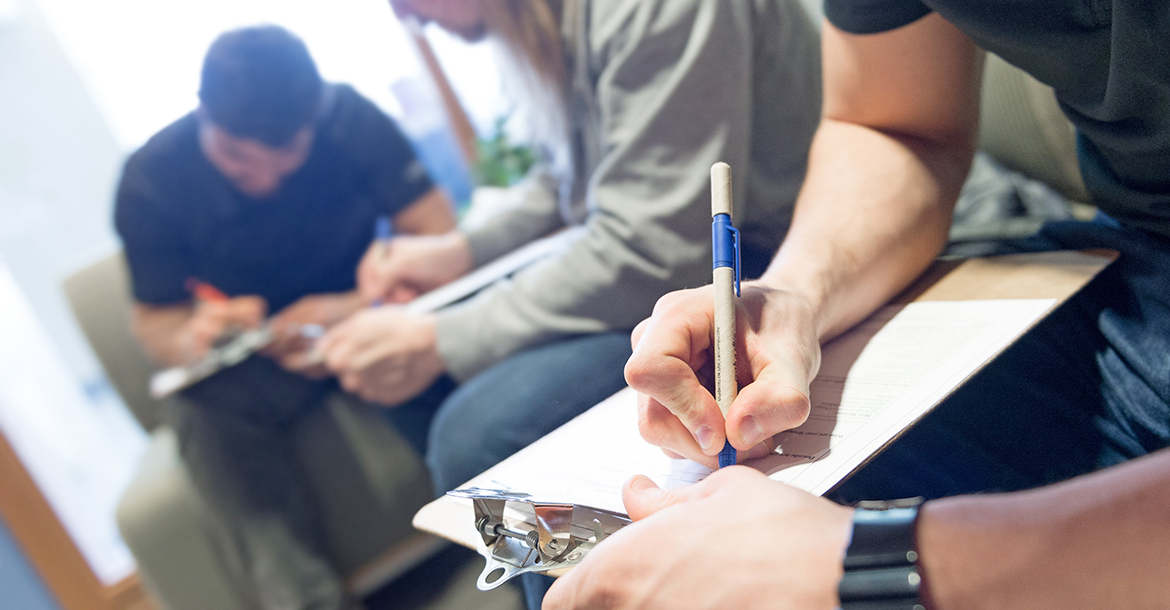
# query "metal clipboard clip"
(520, 535)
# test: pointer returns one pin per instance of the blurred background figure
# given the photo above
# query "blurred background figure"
(630, 103)
(270, 192)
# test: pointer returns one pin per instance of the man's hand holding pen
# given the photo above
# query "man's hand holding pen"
(399, 269)
(214, 315)
(385, 355)
(672, 349)
(297, 328)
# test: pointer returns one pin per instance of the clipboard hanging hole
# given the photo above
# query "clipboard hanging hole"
(494, 575)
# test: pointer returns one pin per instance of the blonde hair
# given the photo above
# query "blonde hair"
(528, 34)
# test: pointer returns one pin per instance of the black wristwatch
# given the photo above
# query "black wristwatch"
(881, 564)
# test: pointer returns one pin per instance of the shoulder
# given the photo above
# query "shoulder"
(174, 145)
(165, 159)
(151, 173)
(352, 115)
(360, 131)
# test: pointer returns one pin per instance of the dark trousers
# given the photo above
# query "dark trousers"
(1086, 389)
(235, 433)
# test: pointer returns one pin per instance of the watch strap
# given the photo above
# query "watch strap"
(881, 563)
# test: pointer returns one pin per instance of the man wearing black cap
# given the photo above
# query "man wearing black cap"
(269, 192)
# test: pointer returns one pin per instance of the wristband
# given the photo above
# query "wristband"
(881, 563)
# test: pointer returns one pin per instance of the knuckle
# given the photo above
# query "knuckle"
(667, 301)
(794, 406)
(687, 409)
(640, 371)
(789, 409)
(636, 334)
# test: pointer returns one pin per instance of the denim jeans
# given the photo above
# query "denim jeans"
(1087, 388)
(511, 405)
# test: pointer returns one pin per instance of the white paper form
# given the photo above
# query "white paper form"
(496, 270)
(587, 460)
(887, 373)
(874, 381)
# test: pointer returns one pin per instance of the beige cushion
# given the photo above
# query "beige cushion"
(366, 478)
(1022, 126)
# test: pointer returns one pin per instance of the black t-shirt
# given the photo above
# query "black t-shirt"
(179, 218)
(1109, 62)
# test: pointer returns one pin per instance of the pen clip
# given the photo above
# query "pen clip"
(738, 260)
(725, 246)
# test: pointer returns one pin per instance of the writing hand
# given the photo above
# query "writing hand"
(293, 348)
(405, 267)
(777, 356)
(384, 355)
(213, 319)
(733, 540)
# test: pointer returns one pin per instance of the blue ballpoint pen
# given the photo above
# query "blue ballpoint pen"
(382, 232)
(725, 270)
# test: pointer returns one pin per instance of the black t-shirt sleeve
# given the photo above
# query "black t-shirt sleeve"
(396, 176)
(156, 248)
(873, 16)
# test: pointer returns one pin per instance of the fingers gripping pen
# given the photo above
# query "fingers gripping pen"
(725, 248)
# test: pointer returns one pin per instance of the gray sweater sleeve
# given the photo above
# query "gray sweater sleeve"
(533, 214)
(674, 97)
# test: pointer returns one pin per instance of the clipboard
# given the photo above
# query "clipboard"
(504, 524)
(169, 381)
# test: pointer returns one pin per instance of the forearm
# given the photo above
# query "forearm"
(348, 303)
(602, 282)
(161, 332)
(1098, 541)
(873, 213)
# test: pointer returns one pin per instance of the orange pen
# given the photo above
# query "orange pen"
(206, 292)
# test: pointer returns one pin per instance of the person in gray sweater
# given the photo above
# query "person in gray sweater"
(633, 101)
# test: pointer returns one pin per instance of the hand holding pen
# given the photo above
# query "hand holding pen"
(409, 265)
(216, 316)
(725, 270)
(676, 350)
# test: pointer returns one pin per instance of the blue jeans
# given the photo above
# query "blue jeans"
(1085, 389)
(511, 405)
